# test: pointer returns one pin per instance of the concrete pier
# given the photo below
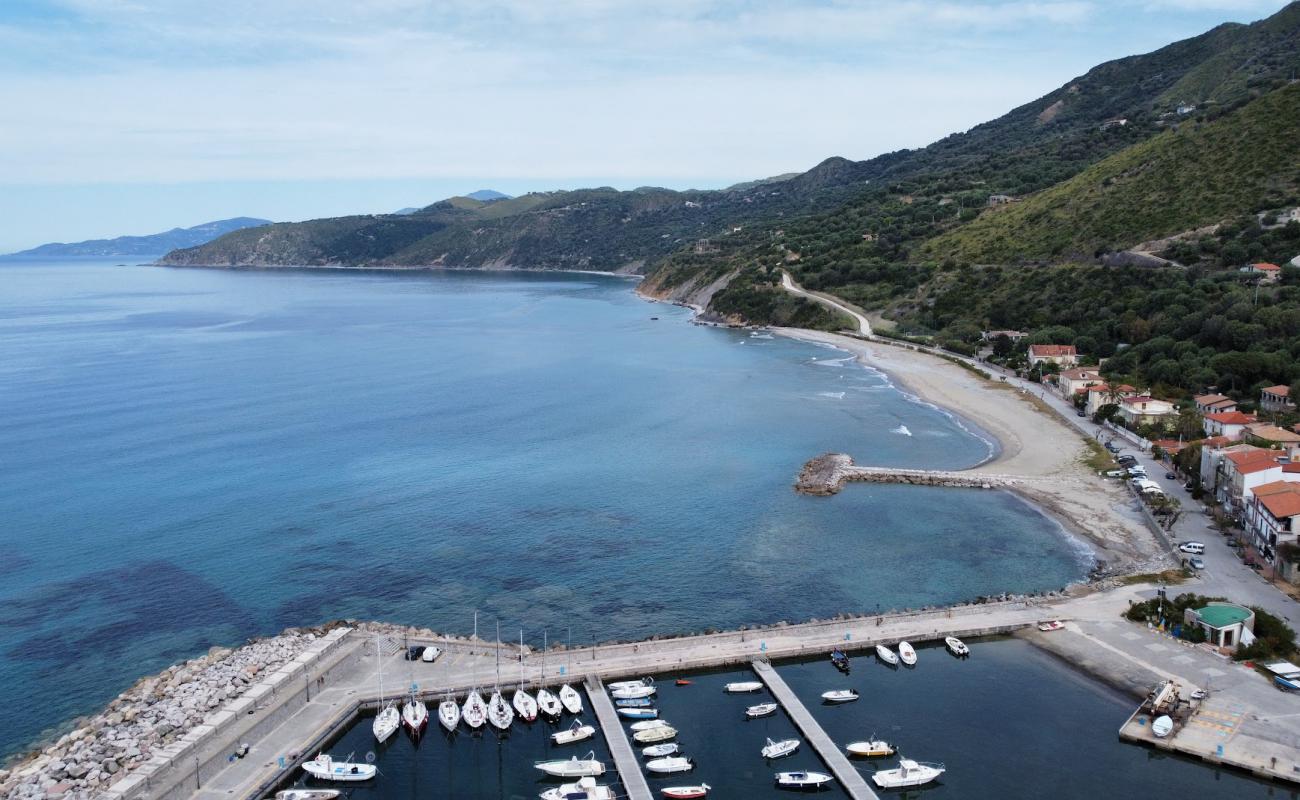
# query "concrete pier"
(848, 776)
(625, 758)
(826, 475)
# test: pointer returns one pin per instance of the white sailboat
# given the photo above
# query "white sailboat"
(415, 715)
(525, 705)
(570, 699)
(499, 712)
(474, 712)
(388, 719)
(449, 714)
(907, 654)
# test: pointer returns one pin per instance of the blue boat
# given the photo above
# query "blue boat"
(639, 713)
(1286, 685)
(635, 702)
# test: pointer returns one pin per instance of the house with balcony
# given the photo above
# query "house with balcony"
(1077, 380)
(1140, 409)
(1231, 424)
(1245, 470)
(1063, 355)
(1276, 400)
(1272, 517)
(1100, 395)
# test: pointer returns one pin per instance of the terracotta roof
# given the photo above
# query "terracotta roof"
(1231, 418)
(1282, 504)
(1080, 373)
(1274, 487)
(1272, 433)
(1206, 399)
(1215, 441)
(1290, 468)
(1141, 398)
(1253, 467)
(1279, 390)
(1266, 267)
(1253, 455)
(1051, 349)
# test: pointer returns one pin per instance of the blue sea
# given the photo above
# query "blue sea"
(194, 457)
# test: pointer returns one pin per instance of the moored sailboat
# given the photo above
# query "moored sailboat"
(388, 719)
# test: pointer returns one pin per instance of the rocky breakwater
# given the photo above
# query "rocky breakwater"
(826, 474)
(153, 713)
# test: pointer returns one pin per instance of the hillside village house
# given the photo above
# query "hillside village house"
(1271, 436)
(1213, 403)
(1100, 394)
(1245, 470)
(1271, 518)
(1213, 451)
(1269, 273)
(1060, 354)
(1230, 424)
(1077, 380)
(1276, 400)
(1141, 409)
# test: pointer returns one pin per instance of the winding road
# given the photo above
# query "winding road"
(864, 325)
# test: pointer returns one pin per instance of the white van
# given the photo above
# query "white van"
(1195, 548)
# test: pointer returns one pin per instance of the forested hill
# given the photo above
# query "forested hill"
(150, 245)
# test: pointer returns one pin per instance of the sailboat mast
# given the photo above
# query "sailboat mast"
(379, 659)
(543, 657)
(498, 655)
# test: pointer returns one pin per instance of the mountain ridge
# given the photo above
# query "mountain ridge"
(145, 245)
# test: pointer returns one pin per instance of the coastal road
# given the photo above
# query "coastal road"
(864, 325)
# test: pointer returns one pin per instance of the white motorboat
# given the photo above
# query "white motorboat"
(686, 792)
(430, 654)
(741, 687)
(638, 713)
(908, 773)
(761, 710)
(669, 765)
(956, 646)
(415, 715)
(840, 696)
(573, 767)
(1162, 726)
(660, 750)
(525, 705)
(307, 794)
(907, 654)
(449, 714)
(886, 655)
(654, 735)
(648, 724)
(574, 733)
(636, 684)
(780, 749)
(632, 692)
(1053, 625)
(325, 768)
(474, 712)
(499, 712)
(639, 702)
(584, 789)
(389, 718)
(802, 780)
(548, 704)
(570, 699)
(872, 748)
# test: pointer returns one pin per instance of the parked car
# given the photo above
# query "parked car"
(1190, 486)
(1195, 548)
(1171, 476)
(1111, 447)
(1116, 473)
(1196, 562)
(1081, 413)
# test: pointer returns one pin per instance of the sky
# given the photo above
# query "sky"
(134, 116)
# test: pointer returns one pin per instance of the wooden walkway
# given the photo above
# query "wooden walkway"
(845, 772)
(625, 758)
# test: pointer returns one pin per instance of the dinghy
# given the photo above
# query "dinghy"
(761, 710)
(474, 711)
(648, 724)
(873, 748)
(325, 768)
(654, 735)
(499, 712)
(907, 654)
(671, 764)
(886, 655)
(686, 792)
(660, 750)
(638, 702)
(575, 733)
(1162, 726)
(1054, 625)
(909, 773)
(780, 749)
(802, 780)
(307, 794)
(639, 713)
(525, 705)
(956, 646)
(548, 704)
(449, 714)
(683, 682)
(741, 687)
(584, 789)
(632, 692)
(840, 696)
(573, 767)
(415, 715)
(570, 699)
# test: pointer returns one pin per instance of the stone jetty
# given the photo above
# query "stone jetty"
(826, 475)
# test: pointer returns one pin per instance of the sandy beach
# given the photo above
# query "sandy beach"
(1033, 443)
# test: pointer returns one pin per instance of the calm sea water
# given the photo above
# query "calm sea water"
(193, 457)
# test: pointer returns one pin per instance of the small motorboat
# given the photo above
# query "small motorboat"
(886, 655)
(1162, 726)
(525, 705)
(841, 660)
(499, 712)
(1053, 625)
(741, 687)
(908, 773)
(415, 715)
(386, 723)
(761, 710)
(1199, 694)
(572, 767)
(956, 646)
(635, 702)
(780, 749)
(654, 735)
(639, 683)
(307, 794)
(639, 713)
(686, 792)
(802, 780)
(548, 703)
(430, 654)
(669, 765)
(907, 654)
(584, 789)
(570, 699)
(873, 748)
(683, 682)
(840, 696)
(632, 692)
(474, 712)
(648, 724)
(325, 768)
(660, 750)
(449, 714)
(574, 733)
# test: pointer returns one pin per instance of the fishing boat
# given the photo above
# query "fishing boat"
(325, 768)
(648, 724)
(632, 692)
(639, 713)
(636, 684)
(802, 780)
(415, 715)
(654, 735)
(584, 789)
(307, 794)
(686, 792)
(841, 660)
(908, 773)
(449, 714)
(671, 764)
(682, 682)
(548, 704)
(956, 646)
(389, 718)
(907, 654)
(1162, 726)
(886, 655)
(474, 712)
(872, 748)
(741, 687)
(660, 750)
(525, 705)
(636, 702)
(761, 710)
(570, 699)
(840, 696)
(1053, 625)
(780, 749)
(499, 712)
(572, 767)
(574, 733)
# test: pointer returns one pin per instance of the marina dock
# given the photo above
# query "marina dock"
(848, 776)
(625, 758)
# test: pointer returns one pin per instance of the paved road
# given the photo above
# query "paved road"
(864, 325)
